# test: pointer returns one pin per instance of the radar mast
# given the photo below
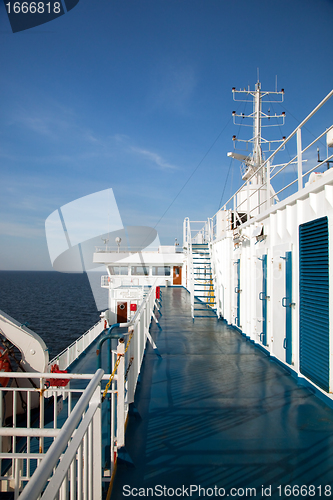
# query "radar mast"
(257, 145)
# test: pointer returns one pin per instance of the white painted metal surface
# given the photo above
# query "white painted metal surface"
(79, 472)
(73, 351)
(73, 435)
(33, 350)
(25, 440)
(280, 221)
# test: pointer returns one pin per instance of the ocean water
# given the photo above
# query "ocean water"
(59, 307)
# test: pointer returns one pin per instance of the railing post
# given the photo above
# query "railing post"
(268, 185)
(70, 437)
(235, 212)
(121, 395)
(299, 159)
(97, 446)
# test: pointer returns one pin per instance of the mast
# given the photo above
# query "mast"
(253, 160)
(257, 153)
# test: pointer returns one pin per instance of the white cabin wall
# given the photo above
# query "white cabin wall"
(222, 254)
(232, 286)
(281, 231)
(253, 264)
(245, 294)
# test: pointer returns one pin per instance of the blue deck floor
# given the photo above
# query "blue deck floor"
(216, 411)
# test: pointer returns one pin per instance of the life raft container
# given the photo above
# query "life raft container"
(5, 366)
(57, 382)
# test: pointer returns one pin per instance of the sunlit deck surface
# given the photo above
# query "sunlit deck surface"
(216, 411)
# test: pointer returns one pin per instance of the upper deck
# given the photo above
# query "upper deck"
(217, 411)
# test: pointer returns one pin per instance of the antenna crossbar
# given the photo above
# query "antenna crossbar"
(259, 120)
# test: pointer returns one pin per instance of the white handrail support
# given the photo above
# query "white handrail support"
(121, 396)
(299, 158)
(248, 198)
(91, 396)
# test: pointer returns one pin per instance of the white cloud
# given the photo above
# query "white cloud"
(51, 120)
(120, 137)
(154, 158)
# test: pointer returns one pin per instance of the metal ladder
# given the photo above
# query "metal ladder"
(203, 286)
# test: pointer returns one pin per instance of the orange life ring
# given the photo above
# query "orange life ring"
(105, 324)
(5, 366)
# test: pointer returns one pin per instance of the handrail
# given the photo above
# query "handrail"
(188, 243)
(190, 266)
(109, 335)
(123, 250)
(46, 375)
(38, 480)
(282, 146)
(89, 452)
(74, 346)
(207, 232)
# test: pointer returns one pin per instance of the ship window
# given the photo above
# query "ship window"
(119, 270)
(140, 271)
(161, 271)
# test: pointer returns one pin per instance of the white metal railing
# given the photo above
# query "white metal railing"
(105, 281)
(79, 446)
(73, 351)
(205, 234)
(120, 250)
(248, 202)
(187, 244)
(138, 330)
(31, 418)
(128, 356)
(117, 281)
(197, 232)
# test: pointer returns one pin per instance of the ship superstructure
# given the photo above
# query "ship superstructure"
(270, 250)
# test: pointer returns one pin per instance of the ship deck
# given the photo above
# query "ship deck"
(215, 411)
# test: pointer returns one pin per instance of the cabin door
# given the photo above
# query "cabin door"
(258, 303)
(262, 298)
(314, 321)
(121, 312)
(287, 303)
(177, 275)
(237, 293)
(282, 303)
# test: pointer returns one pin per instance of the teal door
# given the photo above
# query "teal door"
(263, 297)
(314, 301)
(238, 290)
(287, 303)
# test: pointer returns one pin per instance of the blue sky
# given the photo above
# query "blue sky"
(131, 95)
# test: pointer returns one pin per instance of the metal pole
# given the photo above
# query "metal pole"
(121, 395)
(299, 158)
(43, 472)
(268, 185)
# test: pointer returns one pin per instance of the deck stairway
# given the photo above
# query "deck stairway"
(204, 300)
